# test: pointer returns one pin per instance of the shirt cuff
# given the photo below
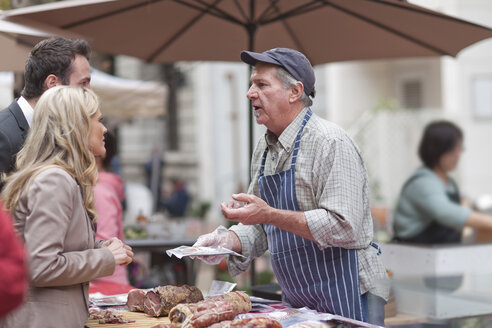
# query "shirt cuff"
(238, 264)
(315, 219)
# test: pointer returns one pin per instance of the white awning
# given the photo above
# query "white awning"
(126, 98)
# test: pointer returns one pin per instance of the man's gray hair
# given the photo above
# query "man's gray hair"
(288, 80)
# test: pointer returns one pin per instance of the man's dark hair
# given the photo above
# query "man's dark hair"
(439, 138)
(51, 56)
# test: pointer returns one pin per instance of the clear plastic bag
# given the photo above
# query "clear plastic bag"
(183, 251)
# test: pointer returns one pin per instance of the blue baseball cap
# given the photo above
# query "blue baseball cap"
(291, 60)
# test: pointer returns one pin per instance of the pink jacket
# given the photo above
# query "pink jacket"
(109, 193)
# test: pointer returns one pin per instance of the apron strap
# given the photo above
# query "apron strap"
(308, 115)
(263, 160)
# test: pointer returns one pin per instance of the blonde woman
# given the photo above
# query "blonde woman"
(51, 198)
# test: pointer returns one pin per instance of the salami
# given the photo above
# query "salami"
(210, 311)
(161, 300)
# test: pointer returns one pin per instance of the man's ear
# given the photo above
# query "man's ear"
(296, 92)
(51, 81)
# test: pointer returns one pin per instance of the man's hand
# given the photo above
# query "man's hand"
(255, 210)
(219, 237)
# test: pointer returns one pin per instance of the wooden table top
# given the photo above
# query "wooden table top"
(141, 319)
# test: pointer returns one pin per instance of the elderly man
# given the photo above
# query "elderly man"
(51, 62)
(308, 201)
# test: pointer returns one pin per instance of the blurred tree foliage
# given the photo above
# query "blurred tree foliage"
(4, 4)
(11, 4)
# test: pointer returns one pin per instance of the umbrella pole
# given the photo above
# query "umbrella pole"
(251, 28)
(250, 126)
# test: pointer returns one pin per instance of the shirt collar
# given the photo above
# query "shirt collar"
(27, 110)
(288, 136)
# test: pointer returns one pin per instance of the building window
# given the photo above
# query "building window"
(412, 94)
(482, 96)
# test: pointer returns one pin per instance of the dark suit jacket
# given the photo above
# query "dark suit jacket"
(13, 132)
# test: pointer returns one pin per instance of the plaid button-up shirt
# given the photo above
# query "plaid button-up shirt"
(332, 190)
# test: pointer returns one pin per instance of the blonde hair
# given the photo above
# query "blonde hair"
(58, 137)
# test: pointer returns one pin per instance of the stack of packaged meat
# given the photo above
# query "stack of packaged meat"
(160, 300)
(186, 308)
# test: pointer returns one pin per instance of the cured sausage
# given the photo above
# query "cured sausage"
(259, 322)
(161, 300)
(212, 310)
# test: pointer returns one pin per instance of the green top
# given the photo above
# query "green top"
(424, 200)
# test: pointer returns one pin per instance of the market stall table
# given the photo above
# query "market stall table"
(142, 320)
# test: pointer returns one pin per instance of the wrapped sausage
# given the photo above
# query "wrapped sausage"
(258, 322)
(161, 300)
(212, 310)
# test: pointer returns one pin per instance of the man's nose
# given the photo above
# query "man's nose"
(251, 92)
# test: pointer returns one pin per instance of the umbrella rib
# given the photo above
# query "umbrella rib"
(182, 30)
(389, 29)
(241, 11)
(288, 28)
(267, 10)
(431, 13)
(305, 8)
(95, 18)
(218, 12)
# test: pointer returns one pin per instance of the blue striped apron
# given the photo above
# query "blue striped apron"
(326, 280)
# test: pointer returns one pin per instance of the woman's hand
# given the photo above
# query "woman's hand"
(122, 253)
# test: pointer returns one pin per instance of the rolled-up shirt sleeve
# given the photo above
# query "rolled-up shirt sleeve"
(254, 244)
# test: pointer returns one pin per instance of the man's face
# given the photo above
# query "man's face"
(269, 100)
(81, 72)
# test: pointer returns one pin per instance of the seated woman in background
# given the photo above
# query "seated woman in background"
(51, 199)
(109, 192)
(429, 209)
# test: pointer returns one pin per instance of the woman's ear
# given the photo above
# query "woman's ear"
(51, 81)
(296, 92)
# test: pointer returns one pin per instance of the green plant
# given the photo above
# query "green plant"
(201, 209)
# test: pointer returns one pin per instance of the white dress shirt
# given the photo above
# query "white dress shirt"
(27, 110)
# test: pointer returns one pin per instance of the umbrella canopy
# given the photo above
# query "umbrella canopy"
(16, 41)
(325, 30)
